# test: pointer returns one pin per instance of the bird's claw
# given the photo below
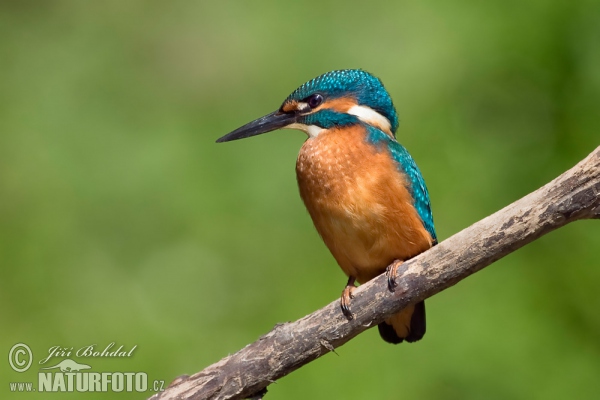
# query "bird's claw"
(345, 301)
(390, 273)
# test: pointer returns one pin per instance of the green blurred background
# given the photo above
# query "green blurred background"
(122, 221)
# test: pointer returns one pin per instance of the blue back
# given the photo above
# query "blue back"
(407, 165)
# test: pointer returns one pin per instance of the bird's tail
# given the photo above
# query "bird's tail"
(408, 324)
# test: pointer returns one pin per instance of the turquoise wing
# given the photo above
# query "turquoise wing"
(408, 166)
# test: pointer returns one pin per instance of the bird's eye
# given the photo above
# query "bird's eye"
(315, 100)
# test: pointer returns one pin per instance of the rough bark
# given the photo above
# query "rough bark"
(572, 196)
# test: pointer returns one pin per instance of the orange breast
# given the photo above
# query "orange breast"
(359, 202)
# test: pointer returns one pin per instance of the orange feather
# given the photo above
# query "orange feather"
(360, 204)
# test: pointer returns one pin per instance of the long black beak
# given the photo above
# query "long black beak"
(268, 123)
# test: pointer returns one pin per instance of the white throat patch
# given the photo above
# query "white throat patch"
(310, 130)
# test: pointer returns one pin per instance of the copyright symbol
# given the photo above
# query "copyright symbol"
(20, 357)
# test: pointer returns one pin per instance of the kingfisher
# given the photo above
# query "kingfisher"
(362, 189)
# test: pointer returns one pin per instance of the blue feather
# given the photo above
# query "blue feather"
(407, 165)
(328, 119)
(365, 88)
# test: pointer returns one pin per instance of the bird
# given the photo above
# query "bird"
(363, 190)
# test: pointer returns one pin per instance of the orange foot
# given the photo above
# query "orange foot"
(346, 296)
(390, 273)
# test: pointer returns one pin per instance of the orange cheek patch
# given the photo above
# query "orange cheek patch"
(341, 105)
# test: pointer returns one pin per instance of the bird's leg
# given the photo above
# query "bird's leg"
(390, 273)
(346, 296)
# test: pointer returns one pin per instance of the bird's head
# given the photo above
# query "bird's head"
(334, 99)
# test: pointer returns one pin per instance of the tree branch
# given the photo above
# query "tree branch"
(572, 196)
